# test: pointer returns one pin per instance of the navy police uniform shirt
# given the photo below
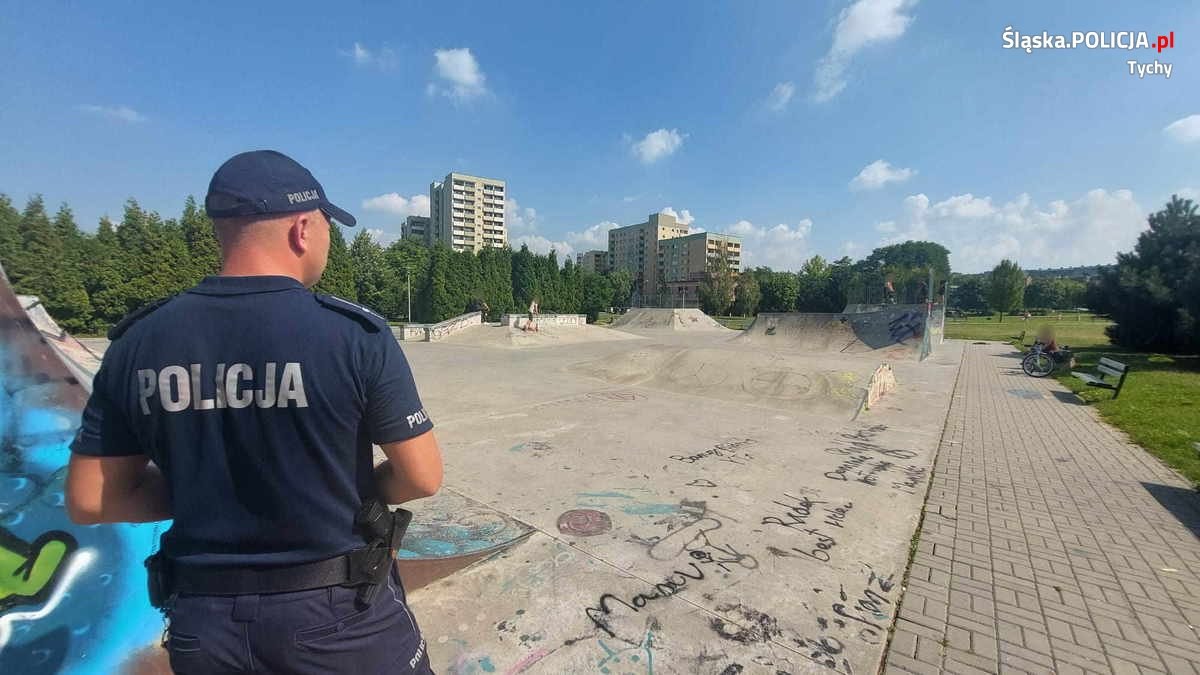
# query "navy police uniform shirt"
(259, 400)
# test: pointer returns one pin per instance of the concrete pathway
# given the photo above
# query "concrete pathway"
(1050, 543)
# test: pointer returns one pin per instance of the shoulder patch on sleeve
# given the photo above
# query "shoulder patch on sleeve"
(136, 315)
(369, 320)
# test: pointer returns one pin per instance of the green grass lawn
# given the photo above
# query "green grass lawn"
(735, 322)
(1159, 405)
(1075, 330)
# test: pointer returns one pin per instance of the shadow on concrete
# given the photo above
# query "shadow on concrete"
(1183, 503)
(1068, 397)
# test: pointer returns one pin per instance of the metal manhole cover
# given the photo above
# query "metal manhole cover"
(584, 522)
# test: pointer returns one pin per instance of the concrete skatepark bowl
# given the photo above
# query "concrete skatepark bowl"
(646, 498)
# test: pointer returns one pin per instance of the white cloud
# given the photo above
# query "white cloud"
(121, 113)
(522, 223)
(860, 25)
(592, 238)
(629, 199)
(783, 247)
(1186, 130)
(657, 145)
(1086, 231)
(539, 244)
(965, 206)
(1188, 193)
(462, 79)
(879, 173)
(780, 96)
(383, 58)
(381, 237)
(683, 217)
(394, 204)
(519, 220)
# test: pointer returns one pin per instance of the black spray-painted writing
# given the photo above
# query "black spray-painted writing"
(725, 452)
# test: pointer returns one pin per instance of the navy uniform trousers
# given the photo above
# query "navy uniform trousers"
(313, 632)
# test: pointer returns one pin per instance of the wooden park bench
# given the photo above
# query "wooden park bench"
(1106, 367)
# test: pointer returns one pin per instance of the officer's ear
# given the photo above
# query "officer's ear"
(302, 232)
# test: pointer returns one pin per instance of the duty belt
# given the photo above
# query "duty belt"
(367, 568)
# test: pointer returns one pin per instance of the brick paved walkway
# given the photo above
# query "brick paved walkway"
(1050, 543)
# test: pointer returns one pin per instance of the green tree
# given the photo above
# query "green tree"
(906, 266)
(813, 287)
(495, 271)
(746, 295)
(67, 298)
(408, 262)
(1153, 293)
(438, 296)
(374, 285)
(524, 277)
(10, 237)
(1046, 293)
(39, 249)
(338, 278)
(103, 275)
(717, 289)
(204, 253)
(1006, 287)
(969, 294)
(571, 280)
(622, 285)
(779, 290)
(597, 294)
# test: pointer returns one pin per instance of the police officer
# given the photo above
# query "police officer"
(245, 408)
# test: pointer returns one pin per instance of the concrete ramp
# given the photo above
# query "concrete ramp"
(75, 600)
(897, 332)
(82, 360)
(646, 318)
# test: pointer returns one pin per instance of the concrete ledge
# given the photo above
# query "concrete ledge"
(517, 320)
(883, 382)
(432, 332)
(451, 326)
(412, 332)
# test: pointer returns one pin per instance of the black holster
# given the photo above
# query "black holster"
(383, 531)
(158, 580)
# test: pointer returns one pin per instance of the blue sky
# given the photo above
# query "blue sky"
(807, 127)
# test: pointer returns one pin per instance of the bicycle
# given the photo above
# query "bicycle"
(1040, 363)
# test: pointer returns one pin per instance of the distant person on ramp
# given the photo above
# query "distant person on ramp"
(531, 321)
(245, 408)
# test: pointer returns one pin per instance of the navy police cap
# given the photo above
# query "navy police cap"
(262, 182)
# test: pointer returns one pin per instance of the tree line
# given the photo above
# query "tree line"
(1007, 288)
(895, 274)
(88, 281)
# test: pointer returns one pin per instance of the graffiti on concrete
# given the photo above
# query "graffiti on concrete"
(697, 550)
(28, 569)
(908, 324)
(72, 598)
(724, 452)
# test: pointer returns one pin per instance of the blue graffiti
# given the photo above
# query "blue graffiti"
(72, 598)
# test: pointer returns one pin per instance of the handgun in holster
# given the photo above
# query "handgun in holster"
(383, 530)
(158, 580)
